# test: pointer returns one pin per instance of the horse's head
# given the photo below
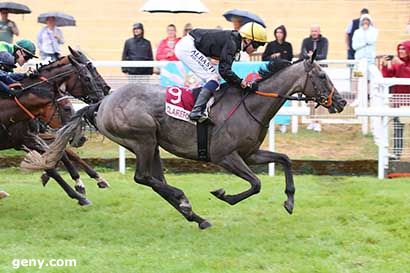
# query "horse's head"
(76, 77)
(83, 84)
(82, 58)
(319, 87)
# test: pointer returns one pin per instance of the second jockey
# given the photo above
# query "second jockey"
(224, 45)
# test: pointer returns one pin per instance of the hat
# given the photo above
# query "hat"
(28, 47)
(138, 25)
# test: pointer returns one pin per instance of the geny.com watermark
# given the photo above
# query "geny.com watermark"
(40, 263)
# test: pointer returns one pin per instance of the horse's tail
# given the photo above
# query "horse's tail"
(53, 153)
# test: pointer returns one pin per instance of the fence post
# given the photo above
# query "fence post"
(295, 119)
(271, 171)
(121, 159)
(363, 94)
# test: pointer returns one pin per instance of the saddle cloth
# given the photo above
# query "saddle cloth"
(179, 102)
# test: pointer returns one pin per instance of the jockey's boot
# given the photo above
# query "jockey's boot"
(198, 112)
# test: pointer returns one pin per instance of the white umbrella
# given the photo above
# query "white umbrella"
(174, 6)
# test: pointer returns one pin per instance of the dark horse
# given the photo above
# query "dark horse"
(43, 100)
(134, 117)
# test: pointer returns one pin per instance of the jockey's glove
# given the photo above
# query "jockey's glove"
(252, 87)
(32, 74)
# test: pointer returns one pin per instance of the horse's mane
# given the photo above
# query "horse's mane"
(52, 65)
(273, 67)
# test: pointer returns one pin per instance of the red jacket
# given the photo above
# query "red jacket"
(163, 49)
(399, 71)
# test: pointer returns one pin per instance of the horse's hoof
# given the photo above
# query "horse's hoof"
(205, 224)
(218, 193)
(44, 179)
(288, 206)
(3, 194)
(80, 189)
(103, 184)
(84, 202)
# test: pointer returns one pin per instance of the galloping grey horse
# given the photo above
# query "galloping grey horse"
(134, 117)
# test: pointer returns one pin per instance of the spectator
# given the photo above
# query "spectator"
(237, 22)
(314, 42)
(187, 29)
(49, 39)
(351, 28)
(319, 43)
(364, 40)
(165, 51)
(7, 28)
(398, 67)
(137, 48)
(278, 48)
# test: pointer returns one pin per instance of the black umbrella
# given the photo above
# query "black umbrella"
(16, 8)
(246, 15)
(62, 19)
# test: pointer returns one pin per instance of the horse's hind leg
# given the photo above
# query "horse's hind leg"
(235, 164)
(3, 194)
(264, 157)
(147, 164)
(157, 168)
(101, 182)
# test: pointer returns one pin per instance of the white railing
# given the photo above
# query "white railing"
(380, 112)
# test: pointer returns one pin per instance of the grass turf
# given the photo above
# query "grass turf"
(340, 224)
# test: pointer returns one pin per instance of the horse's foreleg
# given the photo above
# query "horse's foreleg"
(264, 157)
(101, 182)
(79, 185)
(70, 192)
(235, 164)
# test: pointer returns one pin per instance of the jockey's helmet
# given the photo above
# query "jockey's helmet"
(254, 32)
(27, 46)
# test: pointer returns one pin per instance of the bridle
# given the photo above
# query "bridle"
(44, 80)
(318, 98)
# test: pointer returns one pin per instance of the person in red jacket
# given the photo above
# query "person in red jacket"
(165, 50)
(398, 67)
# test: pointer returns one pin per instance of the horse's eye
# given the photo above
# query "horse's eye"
(322, 75)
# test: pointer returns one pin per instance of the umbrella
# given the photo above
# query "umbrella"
(174, 6)
(62, 19)
(248, 16)
(16, 8)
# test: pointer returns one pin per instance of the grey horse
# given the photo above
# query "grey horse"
(134, 117)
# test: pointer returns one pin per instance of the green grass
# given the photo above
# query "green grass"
(340, 224)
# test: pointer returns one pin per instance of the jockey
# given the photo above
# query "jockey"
(224, 45)
(22, 51)
(8, 79)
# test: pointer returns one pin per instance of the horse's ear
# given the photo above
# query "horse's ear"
(73, 61)
(73, 52)
(313, 57)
